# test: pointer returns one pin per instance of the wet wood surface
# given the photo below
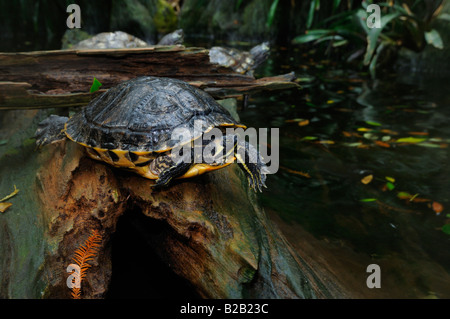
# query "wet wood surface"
(61, 78)
(216, 235)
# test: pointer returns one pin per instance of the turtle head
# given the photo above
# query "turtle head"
(175, 37)
(50, 130)
(260, 53)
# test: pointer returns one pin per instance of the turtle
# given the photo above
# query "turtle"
(175, 37)
(132, 126)
(243, 62)
(120, 39)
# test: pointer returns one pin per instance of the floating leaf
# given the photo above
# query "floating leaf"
(364, 129)
(294, 120)
(303, 123)
(95, 86)
(309, 138)
(390, 186)
(357, 144)
(404, 195)
(382, 144)
(4, 207)
(419, 133)
(390, 179)
(437, 207)
(370, 136)
(346, 134)
(373, 123)
(295, 172)
(410, 140)
(365, 200)
(325, 142)
(366, 180)
(390, 132)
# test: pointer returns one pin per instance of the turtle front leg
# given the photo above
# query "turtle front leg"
(167, 170)
(249, 160)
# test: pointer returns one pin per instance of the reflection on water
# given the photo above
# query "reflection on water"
(335, 133)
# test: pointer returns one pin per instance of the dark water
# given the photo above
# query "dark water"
(342, 127)
(335, 131)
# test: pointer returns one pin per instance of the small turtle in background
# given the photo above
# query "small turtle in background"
(131, 126)
(120, 40)
(175, 37)
(243, 62)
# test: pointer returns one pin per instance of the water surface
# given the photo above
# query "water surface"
(339, 129)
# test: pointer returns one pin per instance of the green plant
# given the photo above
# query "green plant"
(404, 24)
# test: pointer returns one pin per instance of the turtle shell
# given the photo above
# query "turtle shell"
(141, 114)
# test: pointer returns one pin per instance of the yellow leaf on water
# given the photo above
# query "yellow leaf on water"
(347, 134)
(410, 140)
(303, 123)
(295, 172)
(382, 144)
(390, 179)
(367, 179)
(4, 207)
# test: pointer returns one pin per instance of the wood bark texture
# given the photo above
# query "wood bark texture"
(216, 235)
(62, 78)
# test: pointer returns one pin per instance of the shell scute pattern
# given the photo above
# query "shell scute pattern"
(140, 115)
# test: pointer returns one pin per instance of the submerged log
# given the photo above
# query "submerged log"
(61, 78)
(216, 235)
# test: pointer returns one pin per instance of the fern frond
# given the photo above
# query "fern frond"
(83, 255)
(76, 293)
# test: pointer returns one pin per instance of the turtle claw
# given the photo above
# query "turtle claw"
(167, 175)
(257, 180)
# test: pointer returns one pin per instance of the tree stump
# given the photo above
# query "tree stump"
(216, 236)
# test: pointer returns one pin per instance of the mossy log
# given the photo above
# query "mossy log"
(216, 235)
(62, 78)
